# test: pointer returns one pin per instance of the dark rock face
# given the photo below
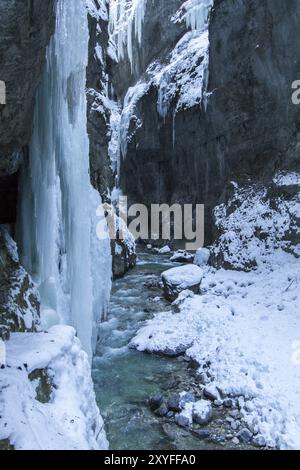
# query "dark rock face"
(250, 127)
(98, 122)
(159, 36)
(25, 30)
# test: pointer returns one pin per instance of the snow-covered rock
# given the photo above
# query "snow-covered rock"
(176, 280)
(165, 250)
(19, 299)
(202, 412)
(182, 256)
(65, 416)
(202, 257)
(123, 249)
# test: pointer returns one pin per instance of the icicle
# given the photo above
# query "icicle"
(57, 220)
(125, 23)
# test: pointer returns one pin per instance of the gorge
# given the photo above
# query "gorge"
(164, 102)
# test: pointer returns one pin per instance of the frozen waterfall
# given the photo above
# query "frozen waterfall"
(57, 217)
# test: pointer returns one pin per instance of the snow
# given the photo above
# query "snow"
(57, 218)
(202, 257)
(71, 419)
(287, 179)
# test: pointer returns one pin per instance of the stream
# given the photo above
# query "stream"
(125, 379)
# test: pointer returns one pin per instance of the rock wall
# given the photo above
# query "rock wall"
(25, 29)
(250, 126)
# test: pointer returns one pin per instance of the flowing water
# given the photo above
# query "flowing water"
(124, 378)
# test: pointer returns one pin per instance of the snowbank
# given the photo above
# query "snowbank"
(47, 399)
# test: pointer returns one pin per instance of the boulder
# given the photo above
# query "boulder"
(182, 256)
(202, 412)
(176, 280)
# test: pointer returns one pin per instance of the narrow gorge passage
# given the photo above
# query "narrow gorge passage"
(125, 378)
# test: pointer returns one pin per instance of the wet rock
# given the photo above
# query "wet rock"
(162, 410)
(228, 403)
(188, 397)
(182, 421)
(202, 412)
(174, 403)
(169, 431)
(235, 441)
(177, 280)
(201, 433)
(245, 436)
(155, 401)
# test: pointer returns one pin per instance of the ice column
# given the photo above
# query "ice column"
(57, 217)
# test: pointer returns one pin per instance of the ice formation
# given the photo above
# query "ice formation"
(195, 13)
(57, 218)
(126, 20)
(182, 79)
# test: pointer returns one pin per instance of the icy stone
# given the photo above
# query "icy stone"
(179, 279)
(174, 403)
(182, 421)
(211, 393)
(182, 256)
(201, 257)
(202, 412)
(155, 401)
(245, 436)
(165, 250)
(162, 410)
(187, 397)
(235, 440)
(234, 425)
(259, 441)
